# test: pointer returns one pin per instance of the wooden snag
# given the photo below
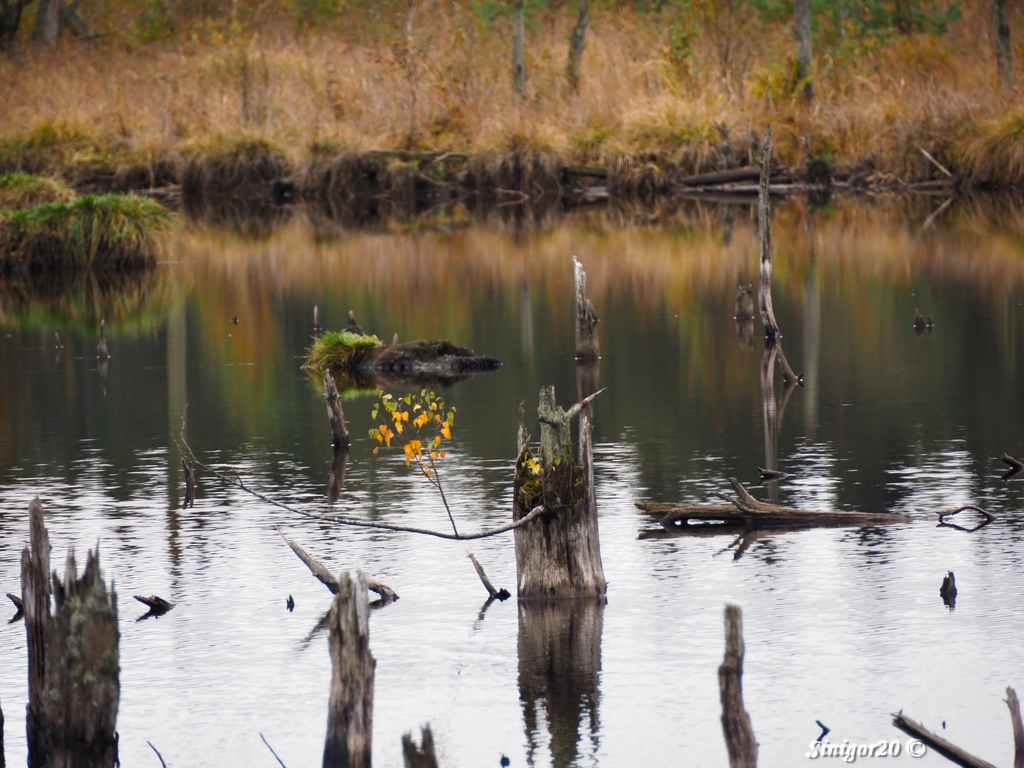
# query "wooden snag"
(764, 226)
(73, 658)
(190, 482)
(559, 648)
(1016, 467)
(419, 755)
(948, 590)
(329, 580)
(947, 749)
(1018, 727)
(587, 347)
(558, 555)
(17, 601)
(989, 517)
(156, 604)
(3, 760)
(336, 477)
(498, 594)
(739, 732)
(350, 713)
(335, 413)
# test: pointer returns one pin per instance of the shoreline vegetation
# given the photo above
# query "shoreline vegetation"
(415, 102)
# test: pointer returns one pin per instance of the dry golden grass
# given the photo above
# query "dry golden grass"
(447, 87)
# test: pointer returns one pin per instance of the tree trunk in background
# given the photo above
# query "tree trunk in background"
(47, 28)
(10, 20)
(1003, 50)
(572, 64)
(518, 50)
(802, 29)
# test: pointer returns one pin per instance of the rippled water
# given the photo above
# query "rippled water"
(844, 626)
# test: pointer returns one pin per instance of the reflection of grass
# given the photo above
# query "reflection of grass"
(129, 302)
(335, 350)
(22, 190)
(119, 231)
(347, 388)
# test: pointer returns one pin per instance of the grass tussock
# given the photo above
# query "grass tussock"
(993, 151)
(23, 190)
(523, 166)
(232, 164)
(339, 351)
(108, 231)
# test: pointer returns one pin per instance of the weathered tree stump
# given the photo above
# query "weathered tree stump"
(72, 658)
(587, 347)
(419, 755)
(3, 760)
(1018, 727)
(335, 413)
(559, 651)
(350, 714)
(558, 555)
(336, 477)
(739, 732)
(189, 470)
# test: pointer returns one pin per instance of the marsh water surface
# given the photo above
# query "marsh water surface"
(844, 626)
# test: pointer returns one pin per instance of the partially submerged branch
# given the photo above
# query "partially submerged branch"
(500, 594)
(989, 517)
(947, 749)
(329, 580)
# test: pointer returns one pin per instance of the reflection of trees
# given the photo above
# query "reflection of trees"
(559, 668)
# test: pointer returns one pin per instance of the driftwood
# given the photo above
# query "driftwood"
(350, 713)
(1018, 727)
(746, 511)
(329, 580)
(772, 475)
(1012, 462)
(989, 517)
(947, 749)
(587, 347)
(419, 755)
(156, 604)
(72, 658)
(497, 594)
(335, 413)
(739, 732)
(559, 555)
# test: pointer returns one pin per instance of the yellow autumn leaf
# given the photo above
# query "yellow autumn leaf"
(446, 430)
(433, 455)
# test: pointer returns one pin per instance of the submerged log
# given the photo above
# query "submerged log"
(1012, 462)
(736, 725)
(558, 555)
(587, 347)
(73, 659)
(947, 749)
(746, 511)
(350, 714)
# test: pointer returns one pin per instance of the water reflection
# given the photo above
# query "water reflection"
(559, 673)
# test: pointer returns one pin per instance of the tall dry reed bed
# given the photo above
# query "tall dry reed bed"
(653, 103)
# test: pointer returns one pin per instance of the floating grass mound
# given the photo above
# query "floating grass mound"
(23, 190)
(338, 351)
(106, 232)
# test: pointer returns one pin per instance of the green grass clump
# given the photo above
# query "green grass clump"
(107, 231)
(338, 350)
(23, 190)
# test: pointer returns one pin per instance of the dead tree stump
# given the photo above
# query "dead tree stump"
(417, 755)
(335, 413)
(587, 347)
(73, 659)
(350, 714)
(558, 555)
(3, 761)
(739, 732)
(764, 207)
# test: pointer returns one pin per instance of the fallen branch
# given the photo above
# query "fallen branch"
(947, 749)
(935, 162)
(499, 594)
(329, 580)
(1008, 459)
(237, 482)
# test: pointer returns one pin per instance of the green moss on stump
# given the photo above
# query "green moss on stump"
(339, 350)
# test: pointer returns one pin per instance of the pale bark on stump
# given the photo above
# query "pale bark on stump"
(335, 413)
(518, 48)
(576, 38)
(558, 555)
(739, 732)
(350, 714)
(802, 30)
(73, 659)
(1004, 56)
(559, 650)
(587, 347)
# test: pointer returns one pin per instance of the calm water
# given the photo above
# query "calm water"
(843, 626)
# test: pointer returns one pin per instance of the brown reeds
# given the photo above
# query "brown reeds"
(231, 165)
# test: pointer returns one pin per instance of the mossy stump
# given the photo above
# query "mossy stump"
(558, 555)
(74, 685)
